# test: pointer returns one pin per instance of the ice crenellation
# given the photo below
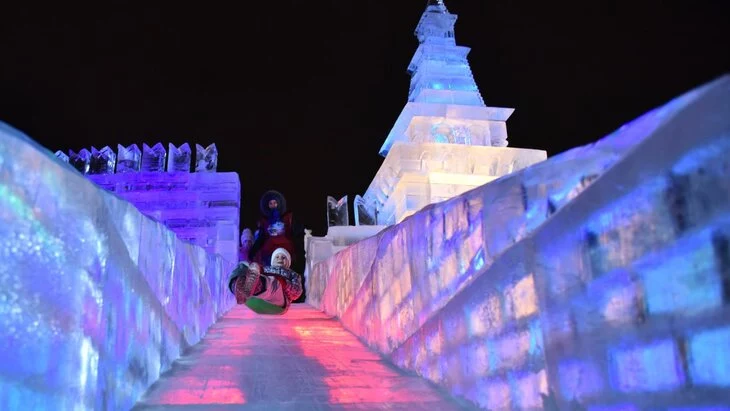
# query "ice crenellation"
(149, 159)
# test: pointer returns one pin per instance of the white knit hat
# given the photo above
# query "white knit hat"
(281, 251)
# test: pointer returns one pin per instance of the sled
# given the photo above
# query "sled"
(257, 305)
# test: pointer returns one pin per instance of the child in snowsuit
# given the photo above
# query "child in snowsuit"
(269, 289)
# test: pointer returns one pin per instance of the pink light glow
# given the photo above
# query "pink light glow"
(247, 359)
(373, 383)
(196, 391)
(208, 382)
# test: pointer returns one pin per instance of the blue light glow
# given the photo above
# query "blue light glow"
(709, 354)
(653, 367)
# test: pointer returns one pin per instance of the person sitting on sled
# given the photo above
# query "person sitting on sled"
(269, 289)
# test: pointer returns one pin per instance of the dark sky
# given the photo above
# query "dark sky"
(300, 95)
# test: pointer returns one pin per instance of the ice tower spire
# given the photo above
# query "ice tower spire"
(439, 70)
(437, 3)
(441, 78)
(446, 140)
(436, 25)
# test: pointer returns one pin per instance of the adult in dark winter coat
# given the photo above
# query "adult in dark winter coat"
(275, 228)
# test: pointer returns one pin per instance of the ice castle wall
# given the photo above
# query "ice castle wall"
(200, 208)
(96, 300)
(597, 278)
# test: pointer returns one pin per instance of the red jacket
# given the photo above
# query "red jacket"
(276, 235)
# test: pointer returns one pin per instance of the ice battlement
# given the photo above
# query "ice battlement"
(202, 207)
(98, 300)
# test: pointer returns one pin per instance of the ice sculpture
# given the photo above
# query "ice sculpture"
(62, 156)
(153, 158)
(150, 159)
(180, 158)
(362, 212)
(80, 161)
(446, 141)
(444, 102)
(206, 159)
(416, 175)
(337, 213)
(592, 280)
(97, 300)
(102, 161)
(129, 159)
(202, 208)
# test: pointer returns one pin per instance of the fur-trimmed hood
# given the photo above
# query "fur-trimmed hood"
(272, 195)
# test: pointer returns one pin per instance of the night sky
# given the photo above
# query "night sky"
(300, 95)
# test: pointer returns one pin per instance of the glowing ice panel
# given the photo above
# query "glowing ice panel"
(85, 324)
(709, 354)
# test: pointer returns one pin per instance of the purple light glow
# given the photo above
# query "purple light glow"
(497, 271)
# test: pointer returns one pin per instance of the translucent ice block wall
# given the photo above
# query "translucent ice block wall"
(598, 276)
(633, 276)
(202, 208)
(96, 300)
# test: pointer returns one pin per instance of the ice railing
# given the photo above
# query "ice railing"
(201, 207)
(597, 278)
(96, 299)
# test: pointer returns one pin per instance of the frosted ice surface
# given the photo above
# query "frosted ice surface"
(153, 158)
(415, 175)
(102, 161)
(443, 91)
(643, 249)
(129, 159)
(206, 158)
(180, 158)
(337, 212)
(363, 213)
(202, 208)
(80, 161)
(62, 156)
(96, 300)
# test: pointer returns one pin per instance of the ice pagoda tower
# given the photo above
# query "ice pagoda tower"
(446, 140)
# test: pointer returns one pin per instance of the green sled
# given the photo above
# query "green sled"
(260, 306)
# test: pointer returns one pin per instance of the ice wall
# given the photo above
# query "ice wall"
(598, 277)
(633, 276)
(96, 300)
(465, 233)
(200, 208)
